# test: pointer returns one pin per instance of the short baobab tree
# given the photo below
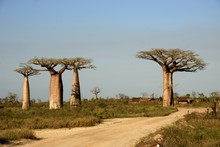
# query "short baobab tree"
(56, 84)
(96, 90)
(76, 64)
(172, 60)
(26, 71)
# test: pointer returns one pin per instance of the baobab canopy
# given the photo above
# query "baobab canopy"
(27, 70)
(77, 63)
(56, 85)
(172, 60)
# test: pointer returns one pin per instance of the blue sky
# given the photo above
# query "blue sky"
(110, 32)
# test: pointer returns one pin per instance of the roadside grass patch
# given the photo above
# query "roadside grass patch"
(152, 140)
(195, 130)
(16, 134)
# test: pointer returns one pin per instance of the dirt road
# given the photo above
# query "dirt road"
(123, 132)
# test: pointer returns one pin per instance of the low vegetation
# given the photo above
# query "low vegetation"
(16, 134)
(195, 130)
(16, 123)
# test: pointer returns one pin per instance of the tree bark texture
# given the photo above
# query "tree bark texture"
(75, 98)
(61, 90)
(166, 89)
(26, 94)
(56, 101)
(171, 89)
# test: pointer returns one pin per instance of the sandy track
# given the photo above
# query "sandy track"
(123, 132)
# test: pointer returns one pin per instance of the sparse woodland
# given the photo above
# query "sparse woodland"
(171, 61)
(78, 112)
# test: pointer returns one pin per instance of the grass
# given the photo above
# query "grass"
(89, 114)
(15, 122)
(41, 118)
(195, 130)
(15, 134)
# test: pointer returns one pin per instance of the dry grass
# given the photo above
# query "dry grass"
(196, 130)
(13, 120)
(15, 134)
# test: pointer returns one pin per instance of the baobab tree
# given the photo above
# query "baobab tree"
(77, 64)
(172, 60)
(26, 71)
(56, 84)
(96, 90)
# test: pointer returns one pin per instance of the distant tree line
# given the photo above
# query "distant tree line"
(11, 99)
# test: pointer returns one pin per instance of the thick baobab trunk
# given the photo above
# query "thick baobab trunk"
(75, 98)
(55, 92)
(171, 89)
(26, 94)
(166, 89)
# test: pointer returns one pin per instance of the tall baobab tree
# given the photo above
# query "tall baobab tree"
(56, 84)
(77, 64)
(26, 71)
(96, 90)
(172, 60)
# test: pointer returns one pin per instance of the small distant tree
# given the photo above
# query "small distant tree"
(76, 64)
(152, 95)
(26, 71)
(144, 94)
(201, 95)
(193, 94)
(171, 61)
(56, 84)
(187, 95)
(33, 101)
(96, 91)
(12, 98)
(39, 101)
(215, 94)
(122, 96)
